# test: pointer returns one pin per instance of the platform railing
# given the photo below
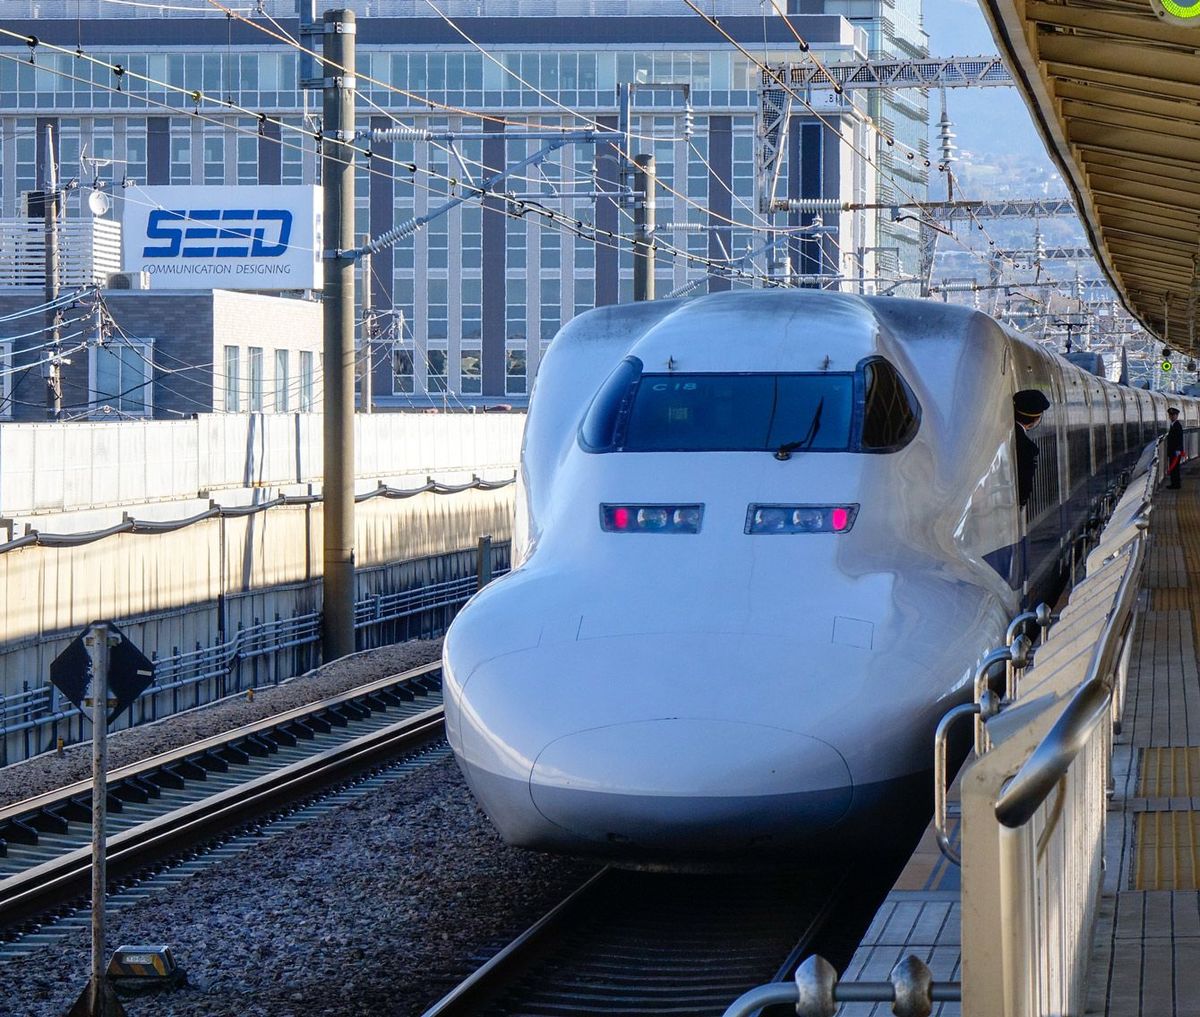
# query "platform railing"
(1033, 806)
(816, 992)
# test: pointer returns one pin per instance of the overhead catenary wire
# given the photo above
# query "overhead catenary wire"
(603, 238)
(559, 221)
(433, 104)
(888, 139)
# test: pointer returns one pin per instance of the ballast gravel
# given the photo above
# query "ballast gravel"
(373, 910)
(49, 771)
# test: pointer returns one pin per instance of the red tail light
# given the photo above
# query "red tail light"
(768, 519)
(651, 518)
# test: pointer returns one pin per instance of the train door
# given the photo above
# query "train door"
(1044, 510)
(1133, 428)
(1078, 444)
(1098, 414)
(1116, 432)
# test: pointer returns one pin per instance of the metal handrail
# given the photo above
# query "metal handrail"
(1024, 794)
(815, 991)
(1000, 655)
(941, 772)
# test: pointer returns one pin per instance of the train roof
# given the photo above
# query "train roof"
(769, 330)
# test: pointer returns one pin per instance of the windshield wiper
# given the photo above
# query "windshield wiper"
(785, 451)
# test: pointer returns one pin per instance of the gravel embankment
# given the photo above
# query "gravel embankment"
(49, 772)
(374, 910)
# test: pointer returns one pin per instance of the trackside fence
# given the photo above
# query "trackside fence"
(1034, 804)
(412, 599)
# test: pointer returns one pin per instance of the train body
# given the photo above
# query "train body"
(762, 541)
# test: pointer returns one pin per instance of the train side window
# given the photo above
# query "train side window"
(890, 415)
(604, 416)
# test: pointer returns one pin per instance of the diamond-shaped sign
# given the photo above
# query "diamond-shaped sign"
(129, 671)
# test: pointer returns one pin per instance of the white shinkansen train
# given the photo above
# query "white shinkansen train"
(762, 540)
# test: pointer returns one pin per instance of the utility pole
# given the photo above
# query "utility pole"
(53, 314)
(644, 185)
(337, 179)
(366, 385)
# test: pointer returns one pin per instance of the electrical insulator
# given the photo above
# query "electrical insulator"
(689, 121)
(946, 132)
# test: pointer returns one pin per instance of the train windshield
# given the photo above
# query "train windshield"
(637, 412)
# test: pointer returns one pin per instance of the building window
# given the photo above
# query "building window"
(181, 158)
(472, 308)
(402, 370)
(5, 380)
(471, 370)
(514, 374)
(281, 381)
(306, 381)
(256, 379)
(437, 309)
(436, 362)
(214, 159)
(233, 379)
(247, 154)
(120, 374)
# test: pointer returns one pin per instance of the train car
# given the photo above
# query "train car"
(763, 538)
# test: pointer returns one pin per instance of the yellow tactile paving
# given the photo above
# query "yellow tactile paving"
(1168, 851)
(1169, 772)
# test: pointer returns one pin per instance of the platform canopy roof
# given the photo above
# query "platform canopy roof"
(1114, 90)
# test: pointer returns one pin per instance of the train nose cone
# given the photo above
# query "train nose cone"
(674, 783)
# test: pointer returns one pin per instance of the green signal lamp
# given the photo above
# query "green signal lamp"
(1178, 13)
(1166, 366)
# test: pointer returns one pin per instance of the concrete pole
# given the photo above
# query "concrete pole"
(337, 178)
(366, 383)
(53, 314)
(97, 642)
(644, 185)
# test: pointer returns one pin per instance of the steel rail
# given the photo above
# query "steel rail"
(66, 878)
(602, 949)
(49, 799)
(469, 996)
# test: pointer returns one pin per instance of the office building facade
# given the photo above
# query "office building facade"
(460, 312)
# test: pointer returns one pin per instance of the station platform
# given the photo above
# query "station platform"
(1145, 956)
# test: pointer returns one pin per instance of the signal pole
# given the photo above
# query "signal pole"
(337, 179)
(644, 206)
(53, 314)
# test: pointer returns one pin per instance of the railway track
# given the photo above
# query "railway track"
(647, 943)
(169, 807)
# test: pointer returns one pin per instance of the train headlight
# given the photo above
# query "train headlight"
(651, 518)
(766, 519)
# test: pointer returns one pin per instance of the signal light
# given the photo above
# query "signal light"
(651, 518)
(770, 519)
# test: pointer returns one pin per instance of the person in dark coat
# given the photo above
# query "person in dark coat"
(1028, 406)
(1174, 449)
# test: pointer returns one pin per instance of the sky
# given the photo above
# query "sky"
(988, 121)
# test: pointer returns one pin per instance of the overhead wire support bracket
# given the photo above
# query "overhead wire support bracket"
(484, 190)
(403, 133)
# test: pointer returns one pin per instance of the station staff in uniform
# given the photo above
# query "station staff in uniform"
(1028, 406)
(1174, 449)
